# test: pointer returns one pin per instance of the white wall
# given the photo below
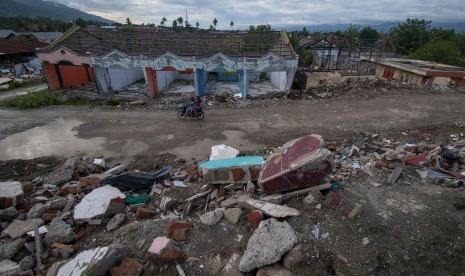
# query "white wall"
(120, 78)
(102, 79)
(185, 76)
(164, 78)
(279, 79)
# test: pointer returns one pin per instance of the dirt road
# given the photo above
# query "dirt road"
(122, 134)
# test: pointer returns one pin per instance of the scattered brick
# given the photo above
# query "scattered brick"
(254, 218)
(143, 213)
(128, 267)
(175, 225)
(65, 247)
(164, 250)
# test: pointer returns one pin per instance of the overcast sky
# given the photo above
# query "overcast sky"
(273, 12)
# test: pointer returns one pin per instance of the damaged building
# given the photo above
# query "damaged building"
(115, 59)
(420, 72)
(340, 59)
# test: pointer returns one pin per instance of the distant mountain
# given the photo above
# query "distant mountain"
(384, 27)
(40, 8)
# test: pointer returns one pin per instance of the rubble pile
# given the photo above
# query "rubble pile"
(267, 215)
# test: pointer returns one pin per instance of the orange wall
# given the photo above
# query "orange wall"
(73, 75)
(89, 70)
(51, 75)
(152, 81)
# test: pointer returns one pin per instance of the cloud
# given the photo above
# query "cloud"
(273, 12)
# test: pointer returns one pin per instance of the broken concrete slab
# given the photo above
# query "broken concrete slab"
(97, 261)
(237, 170)
(273, 270)
(11, 194)
(8, 214)
(59, 231)
(302, 162)
(63, 174)
(269, 242)
(18, 228)
(37, 211)
(219, 152)
(115, 222)
(231, 267)
(96, 202)
(9, 267)
(8, 250)
(165, 250)
(232, 215)
(270, 209)
(213, 217)
(394, 176)
(58, 203)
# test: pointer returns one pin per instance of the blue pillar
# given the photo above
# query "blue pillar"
(243, 83)
(200, 79)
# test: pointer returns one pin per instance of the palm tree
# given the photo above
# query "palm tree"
(231, 24)
(215, 22)
(197, 25)
(128, 21)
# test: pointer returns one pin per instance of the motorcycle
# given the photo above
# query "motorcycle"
(189, 112)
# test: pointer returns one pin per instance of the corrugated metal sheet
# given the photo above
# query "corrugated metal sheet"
(47, 37)
(19, 46)
(7, 33)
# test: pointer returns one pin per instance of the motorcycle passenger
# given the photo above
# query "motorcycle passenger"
(197, 106)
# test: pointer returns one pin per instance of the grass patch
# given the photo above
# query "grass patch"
(456, 130)
(35, 100)
(79, 101)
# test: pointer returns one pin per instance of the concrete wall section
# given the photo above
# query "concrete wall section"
(279, 79)
(102, 79)
(74, 75)
(121, 78)
(52, 77)
(64, 54)
(164, 78)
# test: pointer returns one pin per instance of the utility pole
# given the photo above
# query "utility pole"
(186, 17)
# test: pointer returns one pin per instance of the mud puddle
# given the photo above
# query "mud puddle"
(200, 149)
(60, 138)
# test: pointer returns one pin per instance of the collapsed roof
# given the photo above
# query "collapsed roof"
(153, 42)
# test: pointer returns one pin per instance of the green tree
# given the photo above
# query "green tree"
(175, 24)
(180, 21)
(80, 22)
(441, 34)
(197, 25)
(259, 28)
(411, 35)
(441, 51)
(163, 21)
(369, 33)
(231, 24)
(128, 21)
(306, 56)
(460, 42)
(353, 31)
